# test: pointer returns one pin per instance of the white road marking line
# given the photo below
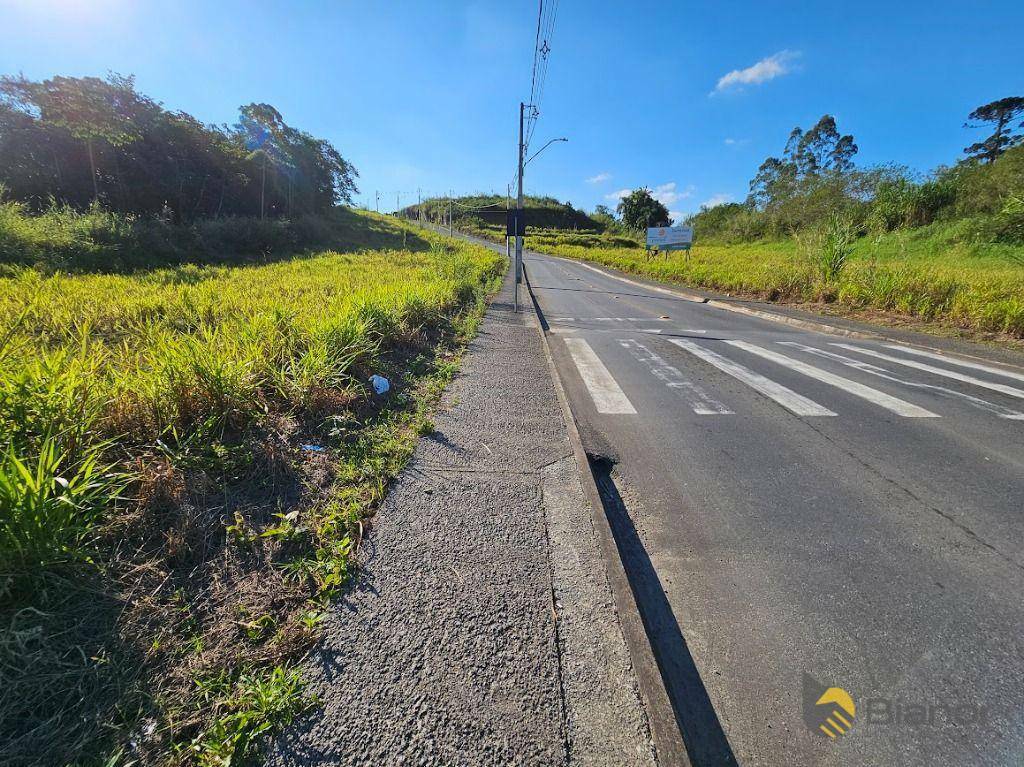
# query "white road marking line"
(607, 394)
(898, 406)
(610, 319)
(937, 371)
(695, 396)
(867, 367)
(959, 362)
(788, 398)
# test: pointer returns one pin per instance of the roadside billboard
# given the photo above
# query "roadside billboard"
(670, 237)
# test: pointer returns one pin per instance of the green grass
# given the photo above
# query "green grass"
(189, 453)
(938, 272)
(98, 240)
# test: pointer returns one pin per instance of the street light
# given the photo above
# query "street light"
(552, 141)
(519, 204)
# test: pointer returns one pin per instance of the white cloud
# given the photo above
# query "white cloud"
(667, 194)
(736, 141)
(619, 194)
(677, 216)
(717, 199)
(766, 69)
(599, 178)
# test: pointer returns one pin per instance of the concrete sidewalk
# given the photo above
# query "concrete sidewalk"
(482, 629)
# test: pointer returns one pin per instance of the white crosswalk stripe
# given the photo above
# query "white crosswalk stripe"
(867, 367)
(699, 400)
(1003, 388)
(959, 362)
(788, 398)
(880, 398)
(604, 390)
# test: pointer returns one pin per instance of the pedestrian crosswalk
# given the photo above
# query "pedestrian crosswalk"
(698, 399)
(896, 405)
(786, 397)
(699, 376)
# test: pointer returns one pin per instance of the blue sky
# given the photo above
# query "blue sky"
(424, 94)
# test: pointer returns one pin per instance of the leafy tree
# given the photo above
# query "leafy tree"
(1001, 114)
(640, 210)
(823, 149)
(261, 127)
(775, 180)
(604, 217)
(66, 138)
(808, 157)
(90, 110)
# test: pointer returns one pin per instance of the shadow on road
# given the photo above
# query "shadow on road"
(706, 742)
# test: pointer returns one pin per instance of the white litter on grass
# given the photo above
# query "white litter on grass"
(381, 385)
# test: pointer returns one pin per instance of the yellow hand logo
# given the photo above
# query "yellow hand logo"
(828, 711)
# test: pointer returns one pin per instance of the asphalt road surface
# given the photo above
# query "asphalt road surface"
(802, 511)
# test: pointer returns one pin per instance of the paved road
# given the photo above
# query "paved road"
(793, 503)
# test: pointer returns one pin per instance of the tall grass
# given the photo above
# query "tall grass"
(195, 447)
(98, 240)
(50, 506)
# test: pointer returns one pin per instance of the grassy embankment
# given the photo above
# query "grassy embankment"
(189, 457)
(933, 273)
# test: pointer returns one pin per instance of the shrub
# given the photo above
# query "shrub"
(1008, 226)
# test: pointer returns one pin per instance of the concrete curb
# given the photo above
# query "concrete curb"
(670, 750)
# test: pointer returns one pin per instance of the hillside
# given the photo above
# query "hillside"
(469, 210)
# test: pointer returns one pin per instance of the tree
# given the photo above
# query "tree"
(640, 210)
(62, 139)
(262, 126)
(823, 149)
(775, 180)
(808, 157)
(1001, 113)
(91, 110)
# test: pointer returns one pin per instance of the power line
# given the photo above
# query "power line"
(547, 13)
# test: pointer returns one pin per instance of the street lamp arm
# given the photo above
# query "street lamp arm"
(552, 141)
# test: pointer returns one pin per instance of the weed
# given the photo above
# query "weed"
(245, 708)
(50, 506)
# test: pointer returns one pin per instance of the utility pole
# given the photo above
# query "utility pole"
(519, 212)
(419, 204)
(398, 202)
(377, 201)
(508, 204)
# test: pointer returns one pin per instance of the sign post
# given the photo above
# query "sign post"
(669, 237)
